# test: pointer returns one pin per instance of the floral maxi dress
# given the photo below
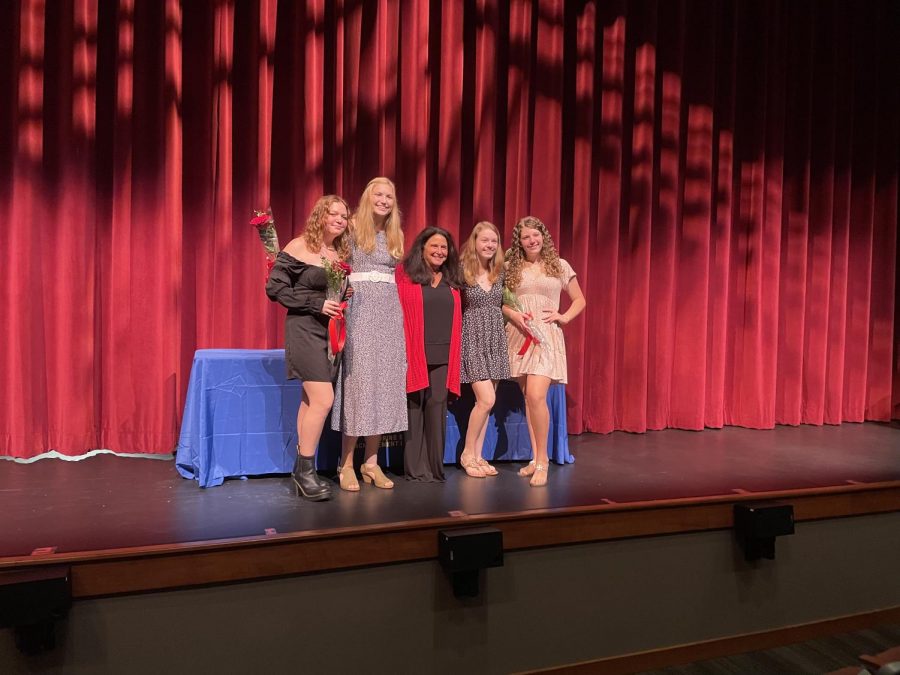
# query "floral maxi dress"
(370, 396)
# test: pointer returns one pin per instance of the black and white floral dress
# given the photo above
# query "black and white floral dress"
(370, 396)
(484, 346)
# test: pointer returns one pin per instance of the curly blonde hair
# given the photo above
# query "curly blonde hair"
(470, 264)
(315, 226)
(363, 223)
(515, 255)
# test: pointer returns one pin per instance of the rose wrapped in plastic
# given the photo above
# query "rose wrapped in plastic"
(265, 227)
(534, 333)
(337, 275)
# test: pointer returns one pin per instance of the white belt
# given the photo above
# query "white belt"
(371, 276)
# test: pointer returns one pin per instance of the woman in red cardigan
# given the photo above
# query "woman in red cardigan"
(428, 283)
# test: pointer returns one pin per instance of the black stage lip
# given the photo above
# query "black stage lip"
(134, 513)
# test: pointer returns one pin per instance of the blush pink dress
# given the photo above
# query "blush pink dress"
(537, 292)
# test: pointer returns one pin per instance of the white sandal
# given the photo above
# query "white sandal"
(536, 480)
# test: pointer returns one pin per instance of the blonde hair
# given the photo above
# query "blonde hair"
(315, 226)
(363, 223)
(515, 256)
(470, 263)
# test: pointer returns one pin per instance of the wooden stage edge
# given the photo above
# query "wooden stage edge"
(186, 564)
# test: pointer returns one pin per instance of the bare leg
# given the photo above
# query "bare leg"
(314, 408)
(484, 403)
(301, 415)
(528, 469)
(479, 442)
(348, 444)
(346, 474)
(538, 415)
(315, 405)
(485, 397)
(477, 422)
(372, 445)
(369, 469)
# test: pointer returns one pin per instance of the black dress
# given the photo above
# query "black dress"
(301, 288)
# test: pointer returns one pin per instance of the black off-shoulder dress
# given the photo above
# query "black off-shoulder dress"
(301, 288)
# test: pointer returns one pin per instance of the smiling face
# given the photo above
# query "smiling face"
(435, 251)
(381, 197)
(532, 242)
(486, 244)
(336, 218)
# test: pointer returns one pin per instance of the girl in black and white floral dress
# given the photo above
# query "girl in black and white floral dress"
(484, 346)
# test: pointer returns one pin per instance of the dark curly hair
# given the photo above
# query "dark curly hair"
(418, 270)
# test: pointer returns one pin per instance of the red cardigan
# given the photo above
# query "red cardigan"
(414, 327)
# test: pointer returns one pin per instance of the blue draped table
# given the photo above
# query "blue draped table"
(240, 419)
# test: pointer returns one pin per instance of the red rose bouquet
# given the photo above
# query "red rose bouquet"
(535, 334)
(337, 275)
(265, 227)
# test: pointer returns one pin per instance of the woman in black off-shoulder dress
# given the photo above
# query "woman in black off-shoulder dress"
(305, 327)
(298, 281)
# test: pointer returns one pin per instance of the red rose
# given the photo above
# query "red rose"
(344, 267)
(260, 220)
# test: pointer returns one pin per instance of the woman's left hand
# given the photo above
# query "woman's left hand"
(554, 317)
(349, 292)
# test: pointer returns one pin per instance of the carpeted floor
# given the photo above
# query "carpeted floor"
(805, 658)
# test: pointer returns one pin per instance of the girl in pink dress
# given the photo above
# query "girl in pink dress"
(537, 275)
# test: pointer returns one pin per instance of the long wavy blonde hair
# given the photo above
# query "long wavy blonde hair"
(515, 255)
(315, 227)
(471, 265)
(363, 223)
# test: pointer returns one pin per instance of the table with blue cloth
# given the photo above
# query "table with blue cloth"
(240, 419)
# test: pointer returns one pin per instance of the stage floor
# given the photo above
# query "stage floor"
(108, 502)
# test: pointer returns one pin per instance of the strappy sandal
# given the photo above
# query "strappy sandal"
(486, 467)
(347, 479)
(540, 475)
(470, 465)
(374, 474)
(527, 470)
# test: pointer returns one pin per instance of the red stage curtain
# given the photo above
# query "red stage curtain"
(723, 176)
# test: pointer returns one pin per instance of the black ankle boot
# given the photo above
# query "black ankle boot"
(321, 481)
(307, 481)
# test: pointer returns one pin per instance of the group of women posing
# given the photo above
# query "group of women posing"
(417, 326)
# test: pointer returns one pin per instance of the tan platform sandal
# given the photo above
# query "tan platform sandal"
(374, 474)
(347, 479)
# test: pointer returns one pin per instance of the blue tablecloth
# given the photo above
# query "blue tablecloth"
(240, 419)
